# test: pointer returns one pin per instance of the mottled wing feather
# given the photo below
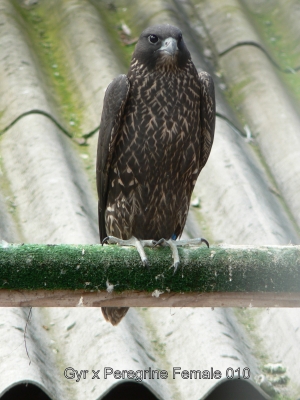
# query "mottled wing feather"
(207, 115)
(113, 107)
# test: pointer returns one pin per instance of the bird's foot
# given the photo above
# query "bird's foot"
(133, 241)
(173, 244)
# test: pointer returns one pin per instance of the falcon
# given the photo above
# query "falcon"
(156, 134)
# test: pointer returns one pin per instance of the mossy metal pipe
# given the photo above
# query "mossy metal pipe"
(114, 275)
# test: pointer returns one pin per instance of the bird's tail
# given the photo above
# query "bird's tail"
(114, 314)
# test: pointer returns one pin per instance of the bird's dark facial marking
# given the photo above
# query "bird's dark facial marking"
(160, 46)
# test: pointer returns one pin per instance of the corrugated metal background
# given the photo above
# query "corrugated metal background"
(59, 56)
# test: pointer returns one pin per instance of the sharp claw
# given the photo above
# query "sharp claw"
(174, 244)
(205, 241)
(175, 266)
(133, 241)
(140, 248)
(105, 240)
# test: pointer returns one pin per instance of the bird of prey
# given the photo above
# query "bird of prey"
(156, 133)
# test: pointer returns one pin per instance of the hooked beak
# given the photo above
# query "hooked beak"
(169, 46)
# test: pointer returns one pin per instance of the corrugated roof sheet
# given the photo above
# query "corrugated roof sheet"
(59, 57)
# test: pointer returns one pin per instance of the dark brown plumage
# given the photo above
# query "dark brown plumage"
(114, 314)
(156, 134)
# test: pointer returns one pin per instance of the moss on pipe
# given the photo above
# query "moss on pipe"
(93, 267)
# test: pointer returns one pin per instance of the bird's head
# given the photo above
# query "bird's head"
(161, 45)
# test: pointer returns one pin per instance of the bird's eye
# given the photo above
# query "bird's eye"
(179, 38)
(153, 39)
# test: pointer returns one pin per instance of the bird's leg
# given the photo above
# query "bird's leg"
(140, 244)
(173, 245)
(177, 243)
(133, 241)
